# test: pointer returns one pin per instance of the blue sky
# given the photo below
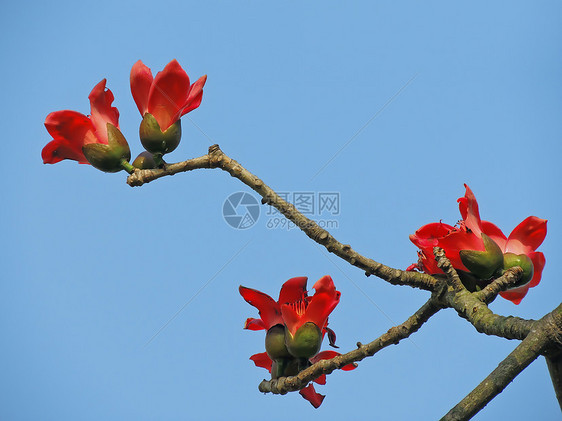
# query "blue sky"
(121, 303)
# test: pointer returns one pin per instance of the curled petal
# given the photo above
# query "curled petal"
(527, 236)
(539, 261)
(141, 81)
(102, 111)
(310, 395)
(331, 336)
(254, 324)
(468, 207)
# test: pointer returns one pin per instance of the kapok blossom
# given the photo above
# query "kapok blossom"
(295, 325)
(294, 307)
(523, 241)
(72, 130)
(167, 96)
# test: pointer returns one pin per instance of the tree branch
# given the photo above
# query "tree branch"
(544, 333)
(554, 363)
(469, 306)
(394, 335)
(217, 159)
(507, 280)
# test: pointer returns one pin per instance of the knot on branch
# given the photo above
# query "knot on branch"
(553, 328)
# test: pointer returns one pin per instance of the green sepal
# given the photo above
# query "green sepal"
(523, 261)
(156, 141)
(306, 342)
(110, 157)
(117, 142)
(483, 264)
(275, 343)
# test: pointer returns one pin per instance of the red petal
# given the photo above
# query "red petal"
(262, 360)
(457, 241)
(168, 94)
(310, 395)
(254, 324)
(317, 311)
(70, 130)
(516, 294)
(195, 95)
(328, 355)
(141, 81)
(527, 236)
(428, 235)
(57, 150)
(468, 207)
(325, 285)
(426, 262)
(268, 309)
(412, 267)
(320, 307)
(539, 261)
(293, 290)
(494, 233)
(320, 380)
(102, 111)
(290, 318)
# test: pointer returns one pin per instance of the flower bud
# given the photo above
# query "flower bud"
(523, 261)
(110, 157)
(306, 342)
(145, 161)
(483, 264)
(156, 141)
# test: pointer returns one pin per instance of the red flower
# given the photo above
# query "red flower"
(294, 307)
(270, 310)
(308, 392)
(523, 240)
(72, 130)
(315, 309)
(168, 96)
(294, 311)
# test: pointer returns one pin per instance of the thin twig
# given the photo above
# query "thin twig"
(445, 265)
(507, 280)
(217, 159)
(394, 335)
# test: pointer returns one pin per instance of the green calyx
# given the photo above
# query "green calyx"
(306, 342)
(157, 141)
(483, 264)
(283, 367)
(523, 261)
(275, 343)
(112, 157)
